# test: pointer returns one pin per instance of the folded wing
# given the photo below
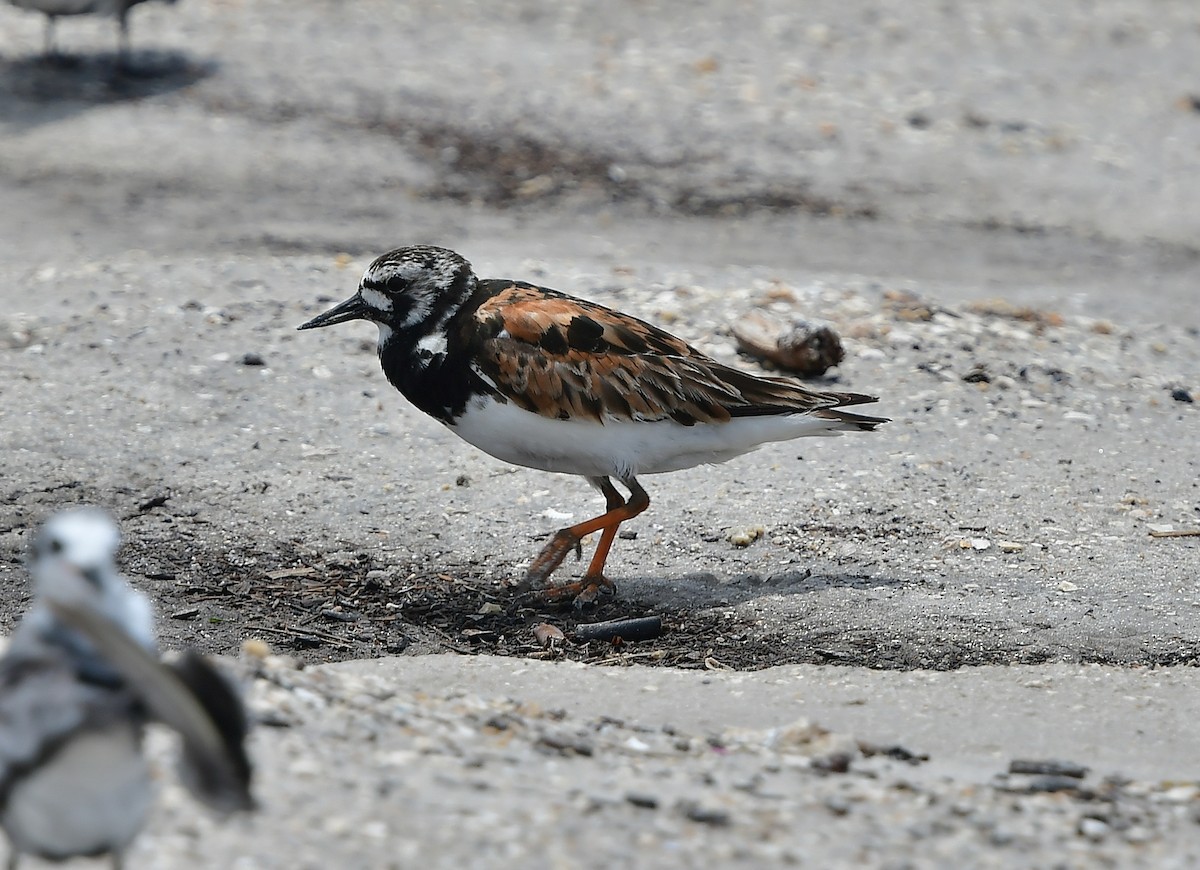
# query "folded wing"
(565, 358)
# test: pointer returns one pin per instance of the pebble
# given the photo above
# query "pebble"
(255, 649)
(837, 805)
(565, 744)
(703, 815)
(1047, 768)
(1093, 829)
(548, 635)
(1180, 794)
(746, 536)
(641, 799)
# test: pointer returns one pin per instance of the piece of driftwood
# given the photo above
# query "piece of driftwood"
(804, 348)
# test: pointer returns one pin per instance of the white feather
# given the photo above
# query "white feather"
(94, 794)
(377, 300)
(622, 448)
(434, 342)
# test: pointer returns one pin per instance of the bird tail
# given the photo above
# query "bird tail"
(852, 421)
(225, 787)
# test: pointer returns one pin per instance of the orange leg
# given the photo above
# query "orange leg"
(565, 540)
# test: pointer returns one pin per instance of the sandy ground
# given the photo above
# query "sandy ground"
(976, 582)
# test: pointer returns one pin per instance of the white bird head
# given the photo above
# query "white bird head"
(74, 562)
(74, 557)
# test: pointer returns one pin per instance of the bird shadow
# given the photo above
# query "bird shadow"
(706, 589)
(37, 90)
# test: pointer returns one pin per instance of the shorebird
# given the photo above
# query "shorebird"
(53, 9)
(542, 379)
(79, 681)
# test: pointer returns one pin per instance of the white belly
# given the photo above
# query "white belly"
(621, 448)
(92, 796)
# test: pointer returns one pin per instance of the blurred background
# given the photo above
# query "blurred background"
(1047, 151)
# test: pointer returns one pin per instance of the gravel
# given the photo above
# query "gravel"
(994, 210)
(376, 764)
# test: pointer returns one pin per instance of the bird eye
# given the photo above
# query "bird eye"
(55, 546)
(92, 575)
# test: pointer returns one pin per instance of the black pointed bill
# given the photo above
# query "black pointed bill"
(352, 309)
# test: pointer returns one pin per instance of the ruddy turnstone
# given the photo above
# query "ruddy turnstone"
(52, 9)
(78, 682)
(542, 379)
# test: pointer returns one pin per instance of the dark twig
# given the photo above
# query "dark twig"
(642, 628)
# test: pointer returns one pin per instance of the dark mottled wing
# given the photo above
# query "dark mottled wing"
(184, 698)
(42, 703)
(221, 700)
(570, 359)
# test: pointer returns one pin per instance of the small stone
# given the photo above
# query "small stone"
(1052, 784)
(643, 800)
(1179, 394)
(978, 375)
(1180, 794)
(1039, 767)
(489, 608)
(694, 812)
(256, 648)
(305, 767)
(747, 536)
(1010, 546)
(565, 744)
(980, 544)
(836, 762)
(252, 359)
(548, 635)
(837, 805)
(1137, 834)
(1094, 829)
(1067, 586)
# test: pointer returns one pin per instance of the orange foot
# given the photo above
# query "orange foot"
(594, 584)
(583, 593)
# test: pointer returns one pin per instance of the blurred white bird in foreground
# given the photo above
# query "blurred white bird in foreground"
(80, 679)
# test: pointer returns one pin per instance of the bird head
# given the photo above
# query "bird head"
(412, 289)
(73, 557)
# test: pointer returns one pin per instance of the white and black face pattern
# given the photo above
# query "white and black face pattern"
(413, 287)
(73, 556)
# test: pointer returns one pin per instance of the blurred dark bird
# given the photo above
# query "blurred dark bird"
(52, 9)
(78, 683)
